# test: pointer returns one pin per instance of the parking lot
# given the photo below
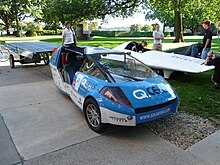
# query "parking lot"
(40, 125)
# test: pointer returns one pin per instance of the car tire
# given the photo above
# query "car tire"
(93, 116)
(12, 61)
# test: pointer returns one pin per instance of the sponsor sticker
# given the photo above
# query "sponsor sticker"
(155, 114)
(78, 81)
(118, 119)
(87, 84)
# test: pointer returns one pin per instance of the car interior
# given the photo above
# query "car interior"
(70, 63)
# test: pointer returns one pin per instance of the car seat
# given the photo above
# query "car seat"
(63, 59)
(71, 67)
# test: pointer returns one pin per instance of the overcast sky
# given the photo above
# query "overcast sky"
(138, 18)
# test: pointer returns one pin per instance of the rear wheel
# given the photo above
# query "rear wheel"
(12, 61)
(4, 54)
(93, 116)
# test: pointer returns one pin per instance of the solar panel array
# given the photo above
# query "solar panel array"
(33, 46)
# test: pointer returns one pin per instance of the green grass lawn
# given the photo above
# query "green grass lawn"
(196, 92)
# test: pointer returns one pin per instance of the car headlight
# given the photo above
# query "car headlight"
(115, 94)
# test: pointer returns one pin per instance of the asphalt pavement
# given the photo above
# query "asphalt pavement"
(40, 125)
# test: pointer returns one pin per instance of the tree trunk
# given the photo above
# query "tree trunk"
(164, 26)
(17, 23)
(7, 24)
(178, 27)
(56, 28)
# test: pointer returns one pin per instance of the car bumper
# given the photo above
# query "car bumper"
(111, 117)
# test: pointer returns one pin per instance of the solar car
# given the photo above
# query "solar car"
(27, 52)
(165, 63)
(121, 92)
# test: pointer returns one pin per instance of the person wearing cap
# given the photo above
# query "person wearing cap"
(207, 39)
(158, 36)
(211, 59)
(69, 36)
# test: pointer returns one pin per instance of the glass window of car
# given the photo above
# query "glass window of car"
(90, 68)
(126, 66)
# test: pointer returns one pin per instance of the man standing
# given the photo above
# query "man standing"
(158, 36)
(69, 37)
(207, 39)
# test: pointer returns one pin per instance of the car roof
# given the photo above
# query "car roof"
(90, 50)
(99, 51)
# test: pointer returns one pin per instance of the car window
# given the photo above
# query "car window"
(90, 68)
(126, 67)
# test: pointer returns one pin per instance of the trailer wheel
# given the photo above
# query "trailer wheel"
(45, 58)
(12, 61)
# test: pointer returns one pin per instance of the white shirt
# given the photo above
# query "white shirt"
(157, 34)
(68, 36)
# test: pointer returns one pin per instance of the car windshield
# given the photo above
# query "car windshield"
(123, 67)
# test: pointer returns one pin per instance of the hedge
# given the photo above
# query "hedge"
(124, 34)
(48, 32)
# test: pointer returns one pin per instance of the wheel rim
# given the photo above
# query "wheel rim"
(46, 59)
(4, 56)
(92, 115)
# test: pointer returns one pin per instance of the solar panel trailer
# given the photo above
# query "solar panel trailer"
(30, 51)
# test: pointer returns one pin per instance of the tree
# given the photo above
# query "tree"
(25, 8)
(52, 11)
(168, 11)
(160, 12)
(147, 28)
(197, 11)
(78, 11)
(5, 14)
(136, 28)
(189, 13)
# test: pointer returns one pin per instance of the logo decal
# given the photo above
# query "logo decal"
(88, 84)
(150, 91)
(78, 81)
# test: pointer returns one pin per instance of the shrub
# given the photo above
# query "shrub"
(30, 33)
(187, 34)
(16, 33)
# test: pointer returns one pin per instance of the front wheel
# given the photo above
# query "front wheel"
(93, 116)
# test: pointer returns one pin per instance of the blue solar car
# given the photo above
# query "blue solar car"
(111, 87)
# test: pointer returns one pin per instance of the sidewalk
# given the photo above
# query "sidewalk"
(208, 148)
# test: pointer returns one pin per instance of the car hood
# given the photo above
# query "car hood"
(149, 92)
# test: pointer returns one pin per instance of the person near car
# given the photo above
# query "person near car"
(134, 46)
(194, 50)
(69, 38)
(158, 37)
(211, 59)
(207, 39)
